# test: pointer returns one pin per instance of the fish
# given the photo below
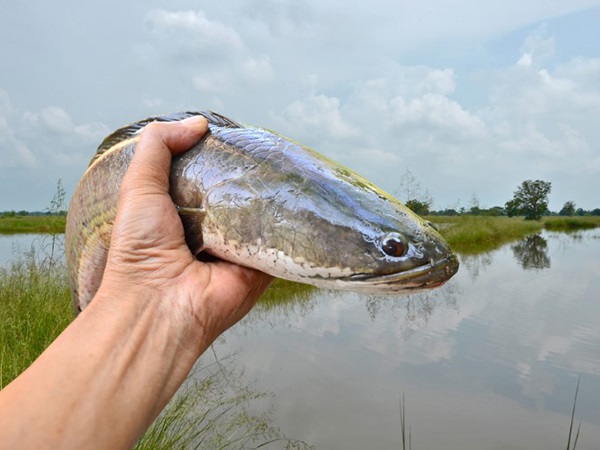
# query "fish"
(255, 198)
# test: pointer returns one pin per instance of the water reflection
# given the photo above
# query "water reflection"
(215, 409)
(475, 264)
(495, 334)
(43, 246)
(532, 252)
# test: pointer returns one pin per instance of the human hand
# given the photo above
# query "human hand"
(103, 381)
(148, 256)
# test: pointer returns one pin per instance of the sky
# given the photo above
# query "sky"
(470, 98)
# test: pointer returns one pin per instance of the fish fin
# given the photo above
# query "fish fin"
(131, 130)
(192, 219)
(220, 120)
(187, 211)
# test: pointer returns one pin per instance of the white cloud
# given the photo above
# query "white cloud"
(319, 115)
(202, 31)
(14, 152)
(48, 138)
(435, 113)
(258, 69)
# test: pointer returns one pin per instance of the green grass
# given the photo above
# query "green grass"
(32, 224)
(475, 234)
(571, 223)
(35, 306)
(211, 411)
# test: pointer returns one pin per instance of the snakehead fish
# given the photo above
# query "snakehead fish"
(255, 198)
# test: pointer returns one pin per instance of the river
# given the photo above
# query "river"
(489, 361)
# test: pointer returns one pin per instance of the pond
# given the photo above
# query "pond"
(14, 246)
(491, 360)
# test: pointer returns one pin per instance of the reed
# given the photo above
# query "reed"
(576, 437)
(212, 410)
(35, 307)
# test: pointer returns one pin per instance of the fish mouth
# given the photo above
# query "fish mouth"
(430, 275)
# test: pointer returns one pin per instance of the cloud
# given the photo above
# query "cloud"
(213, 56)
(45, 139)
(321, 115)
(14, 151)
(198, 31)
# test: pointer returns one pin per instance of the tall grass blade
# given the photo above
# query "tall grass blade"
(406, 443)
(573, 420)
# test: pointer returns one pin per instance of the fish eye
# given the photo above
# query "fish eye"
(393, 244)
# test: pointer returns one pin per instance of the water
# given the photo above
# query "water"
(491, 360)
(14, 246)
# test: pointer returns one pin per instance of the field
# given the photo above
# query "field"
(12, 224)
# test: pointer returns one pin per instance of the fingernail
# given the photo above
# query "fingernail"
(193, 121)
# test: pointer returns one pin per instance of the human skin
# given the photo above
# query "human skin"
(103, 381)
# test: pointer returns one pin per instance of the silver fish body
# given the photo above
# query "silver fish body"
(253, 197)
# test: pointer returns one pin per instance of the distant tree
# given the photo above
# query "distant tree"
(568, 209)
(580, 212)
(512, 208)
(449, 212)
(418, 207)
(595, 212)
(530, 200)
(494, 211)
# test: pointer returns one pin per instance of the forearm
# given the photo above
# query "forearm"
(103, 381)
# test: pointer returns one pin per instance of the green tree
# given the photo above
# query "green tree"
(418, 207)
(530, 200)
(568, 209)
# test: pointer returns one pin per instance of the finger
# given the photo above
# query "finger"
(158, 142)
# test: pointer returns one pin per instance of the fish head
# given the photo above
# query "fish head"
(400, 252)
(326, 226)
(371, 242)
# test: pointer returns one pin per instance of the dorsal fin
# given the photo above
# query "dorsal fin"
(131, 130)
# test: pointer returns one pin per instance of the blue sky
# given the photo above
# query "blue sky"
(471, 98)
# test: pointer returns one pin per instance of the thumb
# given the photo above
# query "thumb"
(148, 171)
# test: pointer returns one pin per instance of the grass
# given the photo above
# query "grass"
(576, 437)
(32, 224)
(406, 440)
(211, 411)
(35, 306)
(571, 223)
(476, 234)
